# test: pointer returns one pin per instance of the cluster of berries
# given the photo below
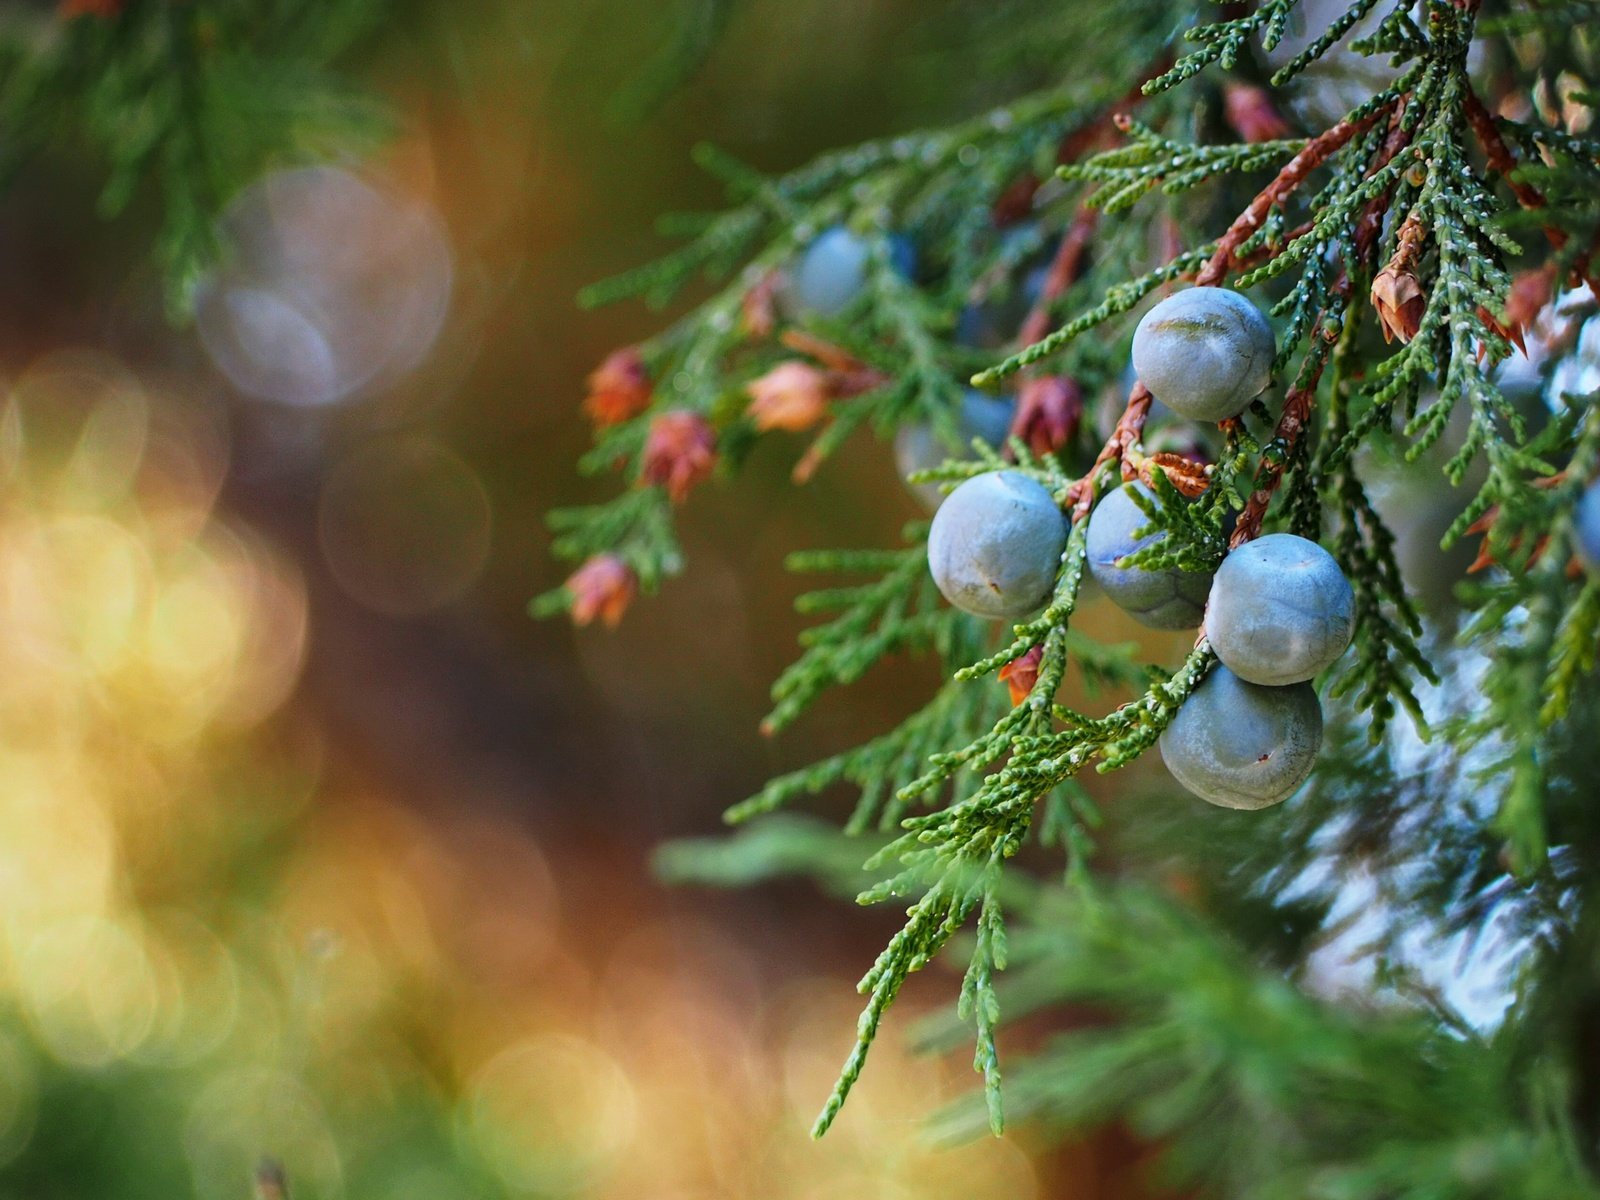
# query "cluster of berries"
(1277, 612)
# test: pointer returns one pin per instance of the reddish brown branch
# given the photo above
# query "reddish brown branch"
(1504, 162)
(1064, 268)
(1130, 428)
(1315, 153)
(1076, 143)
(835, 358)
(1301, 398)
(1297, 406)
(1370, 225)
(1015, 202)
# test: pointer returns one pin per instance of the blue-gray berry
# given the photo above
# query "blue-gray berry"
(1586, 529)
(1205, 353)
(995, 545)
(1241, 745)
(833, 270)
(1281, 610)
(992, 322)
(918, 447)
(1162, 599)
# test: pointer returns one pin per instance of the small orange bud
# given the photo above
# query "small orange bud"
(619, 388)
(792, 396)
(1185, 474)
(1021, 673)
(679, 452)
(603, 587)
(1398, 297)
(759, 307)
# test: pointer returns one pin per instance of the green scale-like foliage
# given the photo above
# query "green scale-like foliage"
(1257, 1084)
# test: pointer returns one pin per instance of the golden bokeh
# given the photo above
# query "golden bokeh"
(389, 1004)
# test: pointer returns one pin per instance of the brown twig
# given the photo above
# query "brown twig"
(1081, 140)
(1293, 174)
(835, 358)
(1130, 428)
(1017, 200)
(1064, 268)
(1301, 398)
(1502, 160)
(1062, 272)
(1297, 406)
(1370, 224)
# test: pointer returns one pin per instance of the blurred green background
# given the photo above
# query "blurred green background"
(314, 849)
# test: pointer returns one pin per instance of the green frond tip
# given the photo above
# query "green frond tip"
(557, 602)
(880, 768)
(962, 877)
(1119, 298)
(1573, 653)
(780, 847)
(1222, 43)
(981, 1005)
(900, 611)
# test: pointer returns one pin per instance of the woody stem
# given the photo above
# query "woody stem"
(1294, 172)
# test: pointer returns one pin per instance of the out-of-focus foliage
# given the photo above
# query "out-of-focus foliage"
(1346, 997)
(187, 102)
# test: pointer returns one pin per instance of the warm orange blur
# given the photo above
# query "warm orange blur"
(148, 644)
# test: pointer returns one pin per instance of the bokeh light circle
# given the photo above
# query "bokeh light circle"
(330, 287)
(551, 1112)
(246, 1114)
(90, 990)
(404, 525)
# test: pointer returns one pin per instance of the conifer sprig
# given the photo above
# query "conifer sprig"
(899, 611)
(1537, 623)
(1223, 42)
(1248, 1081)
(944, 188)
(1412, 206)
